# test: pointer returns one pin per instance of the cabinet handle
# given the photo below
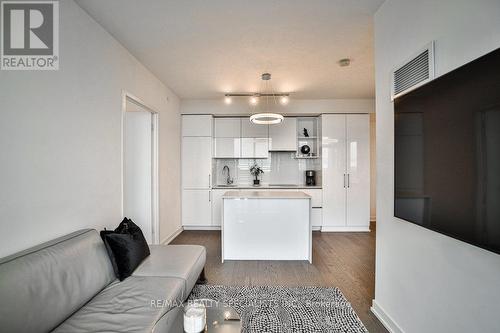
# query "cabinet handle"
(344, 180)
(348, 181)
(209, 181)
(209, 196)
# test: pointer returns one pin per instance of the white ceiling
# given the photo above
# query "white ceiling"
(202, 49)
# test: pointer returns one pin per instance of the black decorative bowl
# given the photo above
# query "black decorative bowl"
(305, 149)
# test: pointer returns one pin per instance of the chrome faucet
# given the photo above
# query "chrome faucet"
(229, 181)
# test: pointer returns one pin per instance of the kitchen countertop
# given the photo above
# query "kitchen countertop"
(265, 187)
(265, 195)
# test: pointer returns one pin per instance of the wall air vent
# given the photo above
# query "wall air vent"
(414, 73)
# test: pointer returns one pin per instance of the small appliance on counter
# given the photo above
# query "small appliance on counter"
(310, 178)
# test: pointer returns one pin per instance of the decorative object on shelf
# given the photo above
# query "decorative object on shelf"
(194, 317)
(305, 149)
(306, 134)
(256, 170)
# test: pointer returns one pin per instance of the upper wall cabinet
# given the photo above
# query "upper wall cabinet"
(251, 130)
(283, 137)
(227, 128)
(197, 125)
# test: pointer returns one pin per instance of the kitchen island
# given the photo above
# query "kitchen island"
(266, 225)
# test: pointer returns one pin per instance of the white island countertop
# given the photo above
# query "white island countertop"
(265, 195)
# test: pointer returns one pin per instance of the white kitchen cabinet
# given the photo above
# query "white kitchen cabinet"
(196, 208)
(358, 170)
(254, 148)
(227, 147)
(227, 128)
(316, 218)
(316, 196)
(283, 137)
(346, 172)
(251, 130)
(217, 206)
(197, 125)
(196, 162)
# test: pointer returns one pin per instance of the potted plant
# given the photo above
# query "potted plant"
(255, 170)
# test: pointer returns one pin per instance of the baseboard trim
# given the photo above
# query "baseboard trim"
(344, 229)
(200, 227)
(385, 319)
(170, 238)
(373, 218)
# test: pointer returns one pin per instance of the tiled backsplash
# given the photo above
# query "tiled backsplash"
(279, 168)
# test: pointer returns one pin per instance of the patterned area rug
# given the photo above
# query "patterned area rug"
(285, 309)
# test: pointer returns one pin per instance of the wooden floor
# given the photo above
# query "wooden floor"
(343, 260)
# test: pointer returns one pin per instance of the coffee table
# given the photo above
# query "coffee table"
(220, 318)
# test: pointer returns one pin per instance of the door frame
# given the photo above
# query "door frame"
(155, 208)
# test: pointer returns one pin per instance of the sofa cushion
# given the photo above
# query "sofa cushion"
(136, 304)
(44, 285)
(180, 261)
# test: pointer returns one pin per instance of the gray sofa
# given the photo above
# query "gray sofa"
(68, 285)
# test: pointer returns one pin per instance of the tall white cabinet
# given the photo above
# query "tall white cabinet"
(196, 170)
(346, 172)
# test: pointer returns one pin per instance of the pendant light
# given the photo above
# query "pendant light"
(265, 117)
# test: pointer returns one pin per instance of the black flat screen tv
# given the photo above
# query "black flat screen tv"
(447, 154)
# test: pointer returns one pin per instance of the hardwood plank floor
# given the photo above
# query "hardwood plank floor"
(343, 260)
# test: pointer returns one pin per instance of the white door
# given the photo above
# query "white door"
(196, 162)
(358, 170)
(283, 137)
(334, 170)
(137, 170)
(196, 208)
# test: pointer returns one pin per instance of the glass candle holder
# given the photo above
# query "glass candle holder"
(195, 316)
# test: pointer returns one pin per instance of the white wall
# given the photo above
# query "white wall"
(240, 106)
(60, 138)
(427, 282)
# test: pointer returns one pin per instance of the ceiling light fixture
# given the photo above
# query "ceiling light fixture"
(284, 100)
(265, 117)
(228, 99)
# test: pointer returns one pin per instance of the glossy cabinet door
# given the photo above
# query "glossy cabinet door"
(227, 127)
(251, 130)
(254, 148)
(227, 147)
(283, 137)
(196, 208)
(196, 162)
(358, 170)
(197, 125)
(217, 207)
(316, 217)
(334, 170)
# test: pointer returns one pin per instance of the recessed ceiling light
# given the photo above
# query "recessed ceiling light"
(228, 100)
(284, 100)
(344, 62)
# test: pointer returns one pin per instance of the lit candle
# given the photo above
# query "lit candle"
(194, 318)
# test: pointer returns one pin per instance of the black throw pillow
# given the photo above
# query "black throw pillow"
(126, 247)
